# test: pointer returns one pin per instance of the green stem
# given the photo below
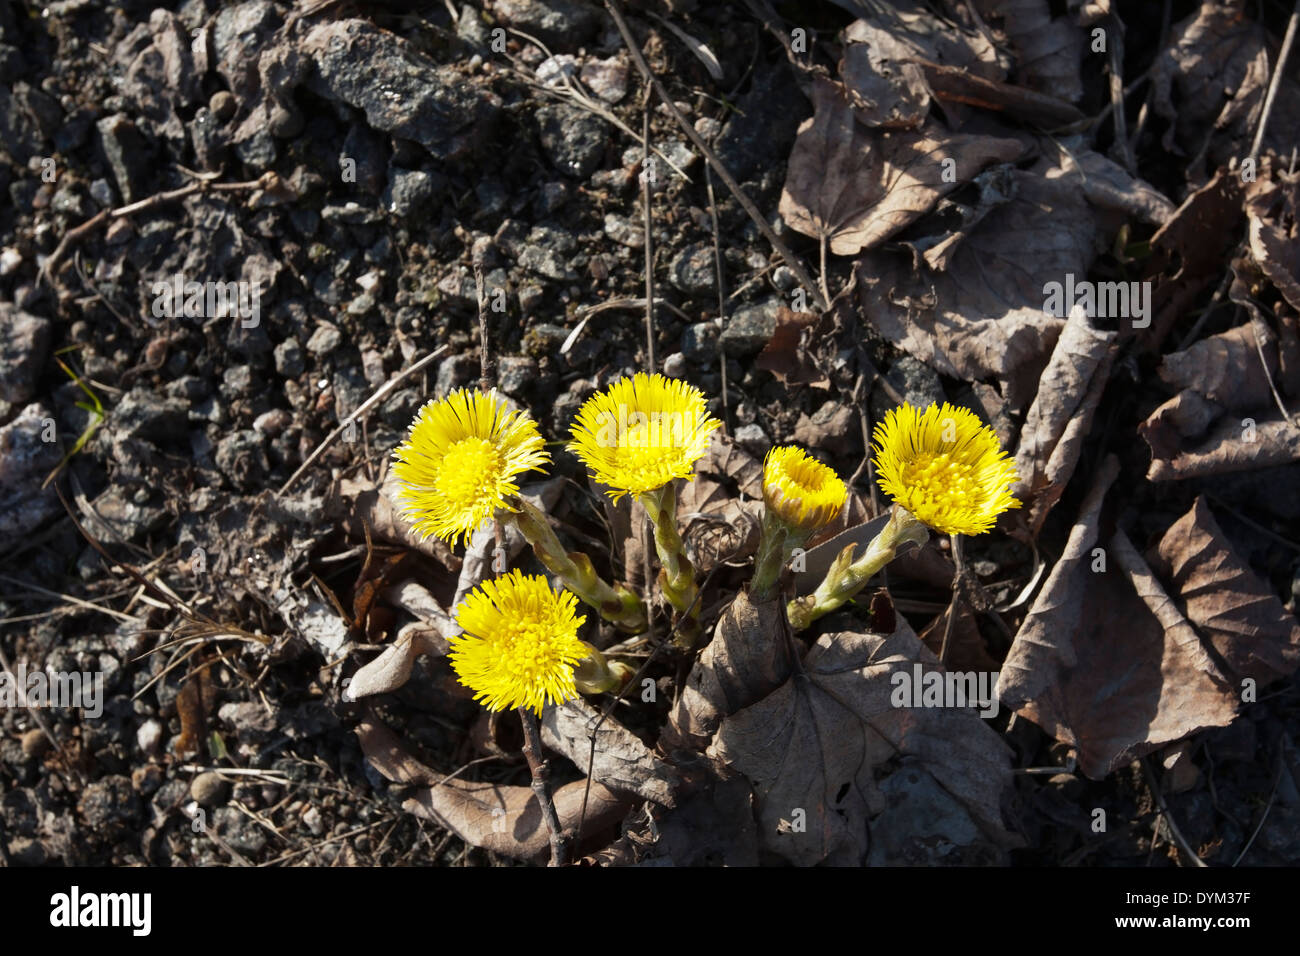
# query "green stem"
(846, 577)
(775, 544)
(617, 605)
(677, 578)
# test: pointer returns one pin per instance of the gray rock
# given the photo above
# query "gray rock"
(367, 153)
(24, 347)
(149, 736)
(700, 342)
(222, 105)
(400, 91)
(238, 831)
(607, 79)
(675, 365)
(624, 231)
(149, 416)
(119, 516)
(753, 439)
(242, 459)
(209, 790)
(516, 374)
(692, 270)
(573, 140)
(750, 328)
(324, 340)
(289, 360)
(109, 805)
(409, 190)
(919, 383)
(25, 460)
(272, 423)
(128, 155)
(563, 25)
(456, 372)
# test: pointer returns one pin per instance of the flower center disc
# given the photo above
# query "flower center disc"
(941, 481)
(470, 470)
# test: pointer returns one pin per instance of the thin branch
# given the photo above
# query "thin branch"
(561, 841)
(647, 189)
(1278, 70)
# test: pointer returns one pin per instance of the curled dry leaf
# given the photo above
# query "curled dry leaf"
(789, 354)
(1234, 444)
(1061, 414)
(1227, 602)
(503, 819)
(392, 668)
(1273, 209)
(819, 751)
(621, 762)
(1224, 368)
(966, 648)
(1105, 661)
(855, 187)
(748, 657)
(1185, 416)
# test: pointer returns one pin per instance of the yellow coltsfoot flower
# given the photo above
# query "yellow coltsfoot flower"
(520, 647)
(642, 432)
(800, 495)
(944, 466)
(460, 460)
(638, 437)
(800, 490)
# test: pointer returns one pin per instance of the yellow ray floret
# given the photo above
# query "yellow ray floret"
(802, 491)
(642, 432)
(945, 467)
(459, 462)
(520, 644)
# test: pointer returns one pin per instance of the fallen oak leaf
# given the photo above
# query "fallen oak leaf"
(824, 742)
(1243, 444)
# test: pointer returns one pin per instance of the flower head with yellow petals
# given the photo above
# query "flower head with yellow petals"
(642, 433)
(520, 645)
(945, 467)
(800, 490)
(460, 460)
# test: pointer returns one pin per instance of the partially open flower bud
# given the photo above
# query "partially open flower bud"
(800, 490)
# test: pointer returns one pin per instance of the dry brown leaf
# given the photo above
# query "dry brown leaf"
(1104, 661)
(1188, 252)
(984, 317)
(1223, 368)
(1210, 84)
(392, 668)
(503, 819)
(967, 650)
(880, 63)
(789, 355)
(856, 187)
(508, 820)
(1049, 52)
(1185, 416)
(955, 85)
(1234, 444)
(748, 657)
(818, 752)
(1061, 414)
(1225, 600)
(1273, 208)
(713, 826)
(622, 762)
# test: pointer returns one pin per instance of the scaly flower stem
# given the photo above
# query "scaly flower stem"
(677, 579)
(846, 577)
(775, 545)
(618, 605)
